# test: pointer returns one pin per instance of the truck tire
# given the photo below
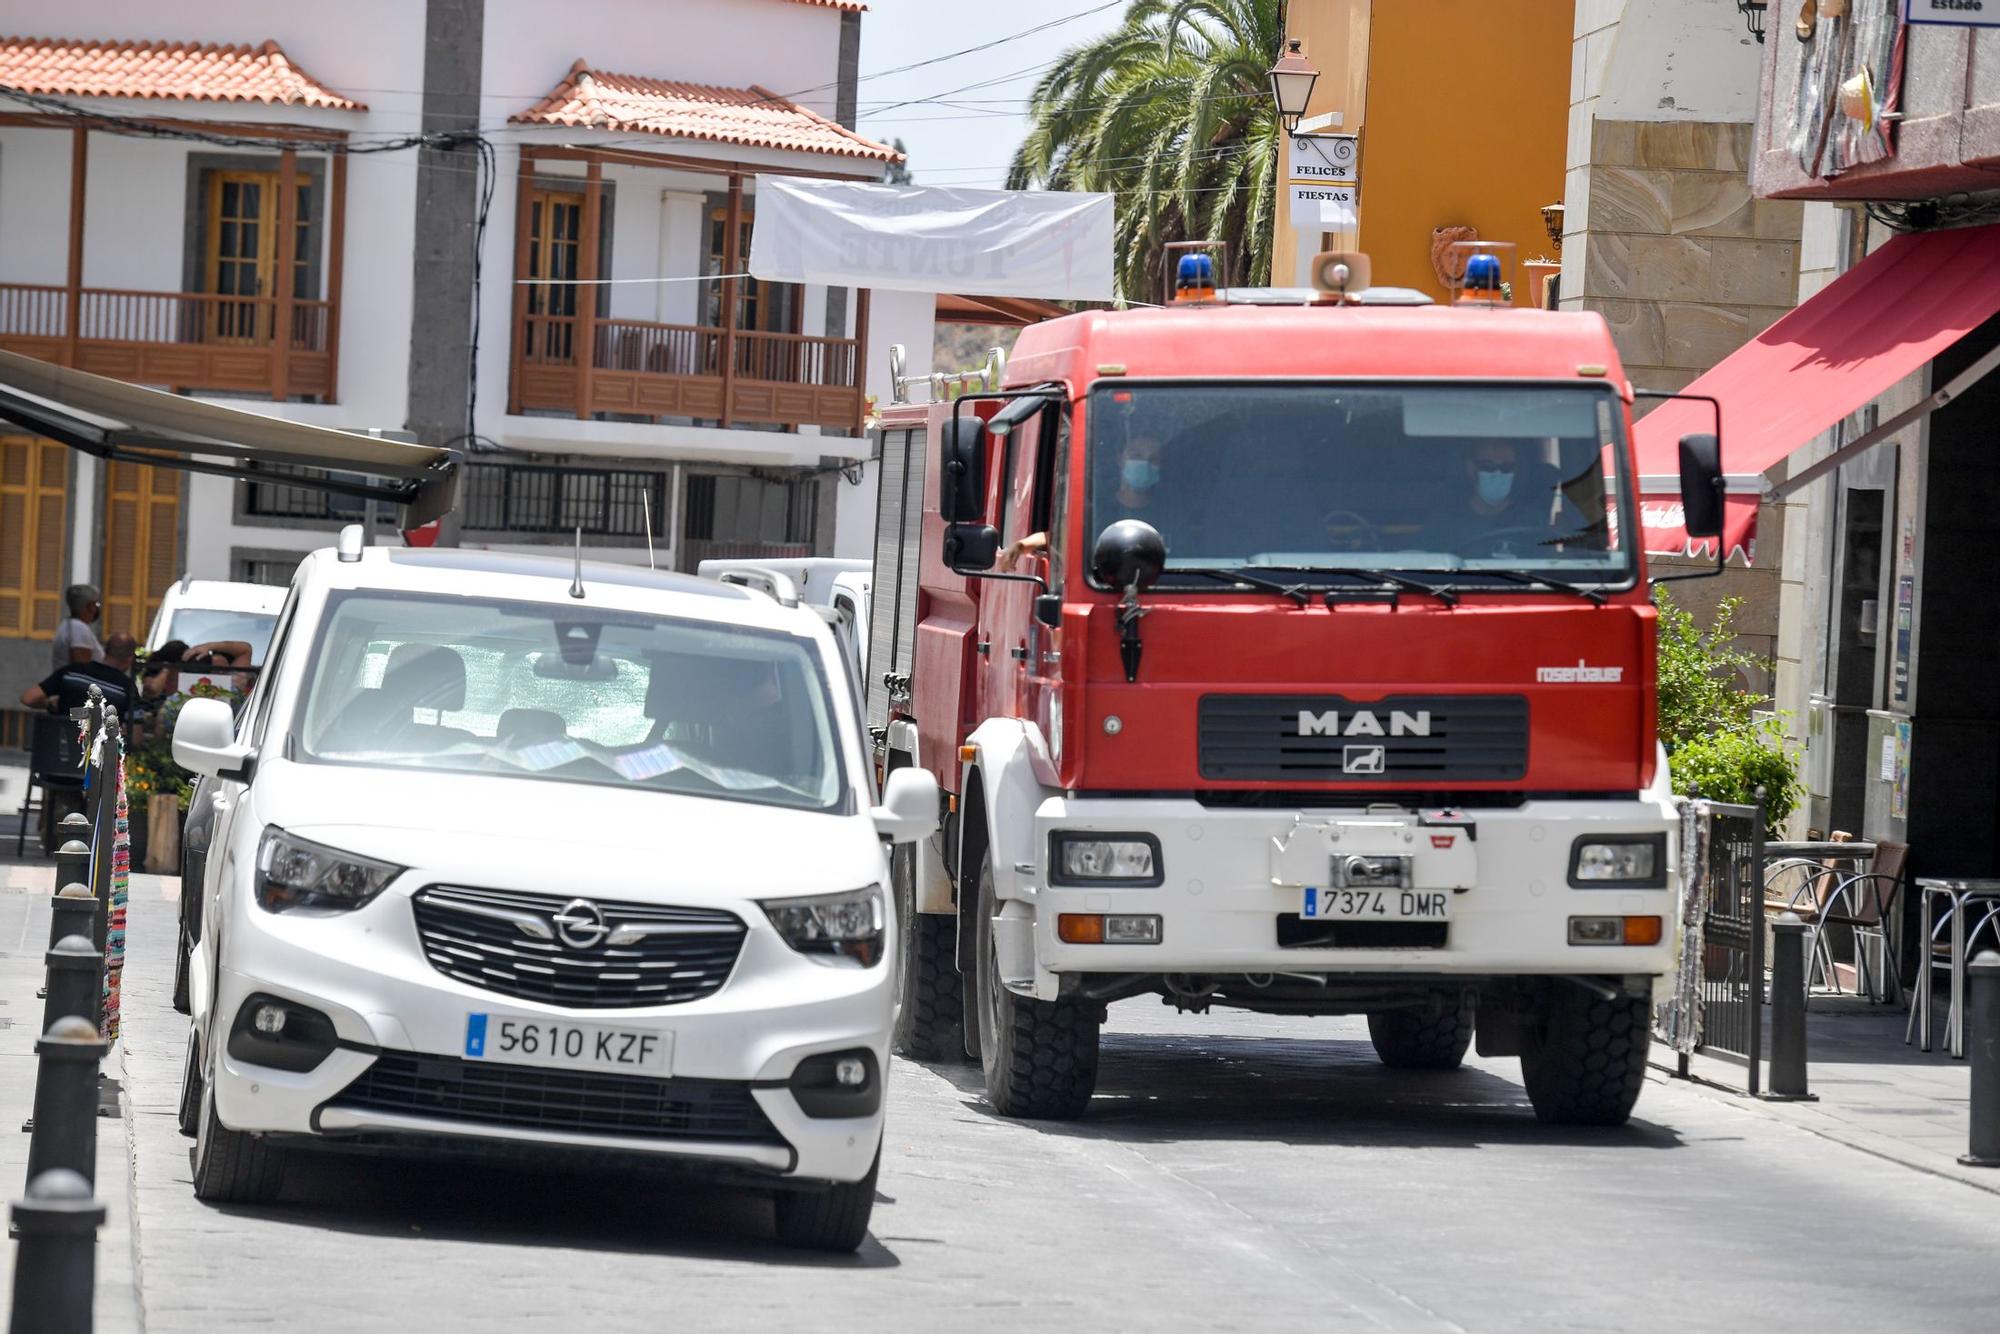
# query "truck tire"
(1039, 1057)
(835, 1219)
(1584, 1062)
(929, 998)
(1415, 1040)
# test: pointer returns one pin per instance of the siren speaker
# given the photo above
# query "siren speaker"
(1343, 271)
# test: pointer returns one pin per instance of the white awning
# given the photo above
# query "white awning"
(115, 420)
(929, 238)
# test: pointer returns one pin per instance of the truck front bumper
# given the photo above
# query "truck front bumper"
(1233, 885)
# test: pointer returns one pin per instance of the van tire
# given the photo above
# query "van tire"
(1039, 1057)
(1417, 1040)
(1585, 1060)
(834, 1219)
(233, 1166)
(930, 1000)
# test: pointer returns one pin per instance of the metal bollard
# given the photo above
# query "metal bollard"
(70, 912)
(76, 980)
(1788, 1010)
(1982, 1026)
(73, 856)
(55, 1269)
(66, 1099)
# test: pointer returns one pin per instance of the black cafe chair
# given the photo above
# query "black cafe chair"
(55, 764)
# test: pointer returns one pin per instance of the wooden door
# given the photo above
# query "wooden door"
(142, 510)
(761, 307)
(555, 251)
(33, 494)
(242, 253)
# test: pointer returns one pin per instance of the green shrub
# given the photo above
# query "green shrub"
(1716, 747)
(1731, 765)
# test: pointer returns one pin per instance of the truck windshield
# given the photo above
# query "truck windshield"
(1479, 482)
(527, 690)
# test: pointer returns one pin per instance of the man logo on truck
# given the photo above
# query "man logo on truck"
(1363, 723)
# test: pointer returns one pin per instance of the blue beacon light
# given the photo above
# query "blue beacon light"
(1194, 278)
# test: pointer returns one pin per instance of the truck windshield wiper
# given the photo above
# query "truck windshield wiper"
(1596, 595)
(1296, 592)
(1400, 581)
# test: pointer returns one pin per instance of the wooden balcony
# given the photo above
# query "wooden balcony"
(641, 369)
(185, 341)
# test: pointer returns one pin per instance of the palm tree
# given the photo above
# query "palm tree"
(1172, 113)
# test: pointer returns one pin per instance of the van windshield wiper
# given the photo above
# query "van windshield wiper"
(1296, 592)
(1596, 595)
(1400, 581)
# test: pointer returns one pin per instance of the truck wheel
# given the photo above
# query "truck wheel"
(1415, 1040)
(835, 1219)
(1040, 1057)
(1585, 1061)
(929, 999)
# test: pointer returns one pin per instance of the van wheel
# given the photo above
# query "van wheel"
(232, 1166)
(930, 1002)
(1415, 1040)
(835, 1219)
(181, 970)
(187, 1118)
(1585, 1061)
(1039, 1057)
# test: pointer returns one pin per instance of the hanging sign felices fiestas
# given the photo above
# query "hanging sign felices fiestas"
(1050, 244)
(1956, 13)
(1323, 180)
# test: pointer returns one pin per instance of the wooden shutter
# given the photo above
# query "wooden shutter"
(33, 493)
(141, 544)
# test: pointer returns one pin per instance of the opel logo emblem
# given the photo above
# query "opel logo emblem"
(581, 924)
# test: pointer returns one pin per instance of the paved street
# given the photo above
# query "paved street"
(1236, 1172)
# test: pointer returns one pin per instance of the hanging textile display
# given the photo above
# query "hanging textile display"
(1850, 78)
(121, 884)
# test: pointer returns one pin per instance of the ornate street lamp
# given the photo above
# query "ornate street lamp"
(1753, 15)
(1292, 80)
(1552, 223)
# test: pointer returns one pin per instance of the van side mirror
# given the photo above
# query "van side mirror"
(205, 741)
(909, 809)
(1701, 485)
(962, 472)
(971, 546)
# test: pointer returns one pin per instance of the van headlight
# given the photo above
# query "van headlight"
(1637, 862)
(832, 927)
(294, 872)
(1104, 859)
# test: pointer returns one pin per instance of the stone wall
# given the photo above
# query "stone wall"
(1682, 263)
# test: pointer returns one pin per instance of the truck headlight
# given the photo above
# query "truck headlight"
(294, 872)
(1104, 859)
(832, 927)
(1636, 862)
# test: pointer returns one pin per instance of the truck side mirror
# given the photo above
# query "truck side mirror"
(971, 546)
(1048, 609)
(1701, 485)
(962, 473)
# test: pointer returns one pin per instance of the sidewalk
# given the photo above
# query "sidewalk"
(24, 934)
(1873, 1093)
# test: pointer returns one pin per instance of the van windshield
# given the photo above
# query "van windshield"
(533, 691)
(1482, 481)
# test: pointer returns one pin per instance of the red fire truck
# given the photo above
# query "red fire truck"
(1290, 652)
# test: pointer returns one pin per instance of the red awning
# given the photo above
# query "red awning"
(1878, 322)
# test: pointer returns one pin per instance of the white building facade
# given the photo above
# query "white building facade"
(546, 288)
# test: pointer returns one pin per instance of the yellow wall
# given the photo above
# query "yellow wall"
(1463, 114)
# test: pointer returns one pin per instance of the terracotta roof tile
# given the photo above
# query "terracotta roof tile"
(178, 71)
(752, 116)
(845, 6)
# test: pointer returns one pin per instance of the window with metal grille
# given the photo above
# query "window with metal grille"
(275, 570)
(751, 509)
(522, 498)
(281, 500)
